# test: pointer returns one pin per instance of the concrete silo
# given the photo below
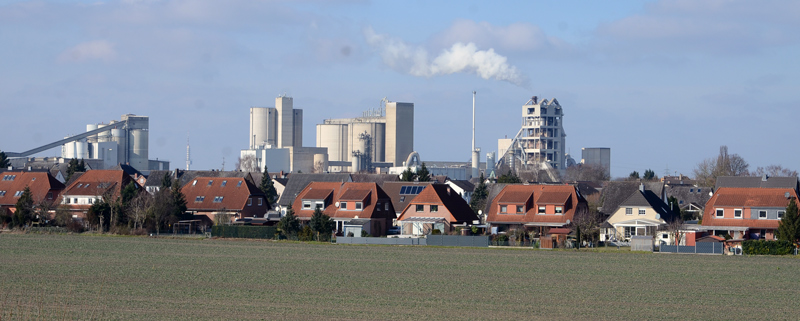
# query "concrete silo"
(334, 137)
(120, 137)
(137, 140)
(260, 127)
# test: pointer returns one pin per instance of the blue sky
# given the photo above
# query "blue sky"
(662, 83)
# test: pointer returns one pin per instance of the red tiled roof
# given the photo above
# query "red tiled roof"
(444, 196)
(354, 195)
(318, 193)
(512, 197)
(97, 182)
(746, 198)
(374, 196)
(234, 196)
(531, 215)
(40, 184)
(553, 198)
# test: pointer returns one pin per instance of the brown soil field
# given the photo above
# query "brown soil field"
(103, 277)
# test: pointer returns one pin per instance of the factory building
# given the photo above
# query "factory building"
(125, 142)
(380, 138)
(597, 156)
(540, 143)
(276, 140)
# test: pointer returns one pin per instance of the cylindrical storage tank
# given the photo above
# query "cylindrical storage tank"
(320, 163)
(93, 138)
(259, 126)
(138, 149)
(490, 161)
(356, 167)
(68, 150)
(118, 136)
(356, 143)
(333, 137)
(81, 150)
(103, 136)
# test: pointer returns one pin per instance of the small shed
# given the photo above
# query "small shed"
(356, 226)
(554, 238)
(642, 243)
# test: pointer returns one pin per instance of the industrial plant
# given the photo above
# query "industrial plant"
(104, 146)
(380, 138)
(540, 143)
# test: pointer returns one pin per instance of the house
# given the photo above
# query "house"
(438, 206)
(45, 188)
(299, 181)
(747, 213)
(614, 193)
(643, 213)
(462, 187)
(534, 207)
(351, 204)
(402, 193)
(224, 199)
(757, 182)
(691, 198)
(91, 187)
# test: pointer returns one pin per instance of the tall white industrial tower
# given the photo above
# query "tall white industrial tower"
(476, 152)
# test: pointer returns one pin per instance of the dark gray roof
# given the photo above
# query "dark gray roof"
(374, 178)
(299, 181)
(689, 194)
(614, 193)
(493, 191)
(757, 182)
(648, 199)
(463, 184)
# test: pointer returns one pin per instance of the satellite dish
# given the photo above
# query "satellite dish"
(658, 216)
(336, 204)
(480, 212)
(567, 221)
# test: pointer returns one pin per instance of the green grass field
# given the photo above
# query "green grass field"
(100, 277)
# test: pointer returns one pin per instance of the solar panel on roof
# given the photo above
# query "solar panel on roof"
(403, 189)
(417, 189)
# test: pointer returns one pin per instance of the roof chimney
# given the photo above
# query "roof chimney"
(641, 187)
(764, 178)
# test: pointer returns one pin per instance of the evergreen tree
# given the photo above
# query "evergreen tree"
(423, 174)
(479, 195)
(649, 175)
(634, 175)
(178, 202)
(81, 167)
(509, 178)
(99, 214)
(321, 224)
(789, 227)
(674, 206)
(268, 187)
(289, 225)
(4, 163)
(407, 175)
(24, 206)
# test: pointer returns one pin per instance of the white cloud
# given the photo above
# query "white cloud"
(461, 57)
(518, 37)
(92, 50)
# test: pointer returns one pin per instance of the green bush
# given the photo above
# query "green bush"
(306, 234)
(364, 233)
(436, 232)
(761, 247)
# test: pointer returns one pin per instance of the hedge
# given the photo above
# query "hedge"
(761, 247)
(244, 231)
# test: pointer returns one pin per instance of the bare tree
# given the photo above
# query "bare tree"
(587, 172)
(774, 171)
(248, 163)
(319, 167)
(725, 164)
(140, 207)
(222, 217)
(674, 228)
(586, 224)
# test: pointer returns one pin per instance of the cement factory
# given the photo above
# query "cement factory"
(104, 146)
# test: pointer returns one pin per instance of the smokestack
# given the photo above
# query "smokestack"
(475, 151)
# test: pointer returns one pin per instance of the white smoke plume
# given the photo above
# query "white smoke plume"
(459, 58)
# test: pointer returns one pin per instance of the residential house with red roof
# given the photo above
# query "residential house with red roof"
(353, 206)
(234, 197)
(534, 207)
(747, 213)
(43, 186)
(438, 206)
(91, 186)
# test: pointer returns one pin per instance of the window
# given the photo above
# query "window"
(218, 199)
(66, 200)
(79, 185)
(780, 214)
(75, 200)
(2, 193)
(194, 183)
(699, 190)
(434, 208)
(630, 231)
(559, 210)
(420, 208)
(260, 201)
(720, 212)
(503, 209)
(224, 183)
(664, 235)
(520, 209)
(691, 190)
(249, 200)
(386, 205)
(762, 214)
(306, 204)
(18, 194)
(642, 211)
(737, 213)
(91, 201)
(402, 199)
(319, 205)
(199, 198)
(628, 211)
(210, 182)
(239, 184)
(49, 195)
(343, 205)
(541, 209)
(359, 205)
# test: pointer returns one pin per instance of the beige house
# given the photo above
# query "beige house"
(642, 213)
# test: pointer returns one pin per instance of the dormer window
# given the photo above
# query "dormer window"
(503, 209)
(542, 209)
(306, 205)
(343, 205)
(559, 210)
(359, 205)
(520, 209)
